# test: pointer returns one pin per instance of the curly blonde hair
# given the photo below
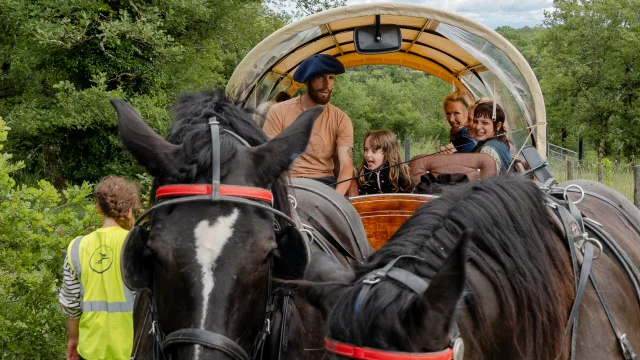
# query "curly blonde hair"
(116, 197)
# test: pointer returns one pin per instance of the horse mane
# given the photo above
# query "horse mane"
(191, 129)
(515, 246)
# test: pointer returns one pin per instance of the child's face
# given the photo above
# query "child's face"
(456, 114)
(373, 158)
(483, 127)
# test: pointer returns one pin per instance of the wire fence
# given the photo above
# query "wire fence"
(620, 177)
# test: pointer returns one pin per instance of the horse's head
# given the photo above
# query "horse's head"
(207, 262)
(393, 313)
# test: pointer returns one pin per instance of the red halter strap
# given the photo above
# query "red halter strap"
(363, 353)
(247, 192)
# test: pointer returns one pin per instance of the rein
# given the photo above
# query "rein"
(418, 286)
(217, 192)
(577, 228)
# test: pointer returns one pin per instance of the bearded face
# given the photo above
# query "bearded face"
(319, 88)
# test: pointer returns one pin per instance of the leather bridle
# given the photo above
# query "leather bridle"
(217, 192)
(417, 285)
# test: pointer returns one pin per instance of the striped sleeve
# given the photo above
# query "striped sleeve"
(69, 296)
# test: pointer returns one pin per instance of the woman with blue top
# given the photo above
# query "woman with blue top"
(488, 125)
(456, 106)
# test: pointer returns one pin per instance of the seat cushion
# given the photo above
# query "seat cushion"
(475, 166)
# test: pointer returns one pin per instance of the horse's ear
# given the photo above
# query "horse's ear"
(275, 156)
(336, 280)
(441, 298)
(158, 156)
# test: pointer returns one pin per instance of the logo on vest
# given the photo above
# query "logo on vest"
(101, 259)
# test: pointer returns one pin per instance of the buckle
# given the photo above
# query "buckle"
(376, 278)
(627, 349)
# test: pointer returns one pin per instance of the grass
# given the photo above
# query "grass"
(619, 178)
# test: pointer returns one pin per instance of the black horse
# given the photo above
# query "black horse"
(506, 291)
(209, 264)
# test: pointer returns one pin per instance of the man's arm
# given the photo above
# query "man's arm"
(345, 156)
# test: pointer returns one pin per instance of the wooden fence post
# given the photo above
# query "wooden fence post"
(407, 149)
(600, 172)
(636, 185)
(570, 173)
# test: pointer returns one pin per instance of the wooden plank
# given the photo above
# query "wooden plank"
(383, 214)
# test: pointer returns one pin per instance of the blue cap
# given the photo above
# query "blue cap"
(317, 65)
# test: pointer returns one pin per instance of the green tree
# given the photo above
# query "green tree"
(523, 39)
(589, 71)
(36, 225)
(405, 101)
(60, 62)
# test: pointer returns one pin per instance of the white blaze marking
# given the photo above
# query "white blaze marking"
(210, 239)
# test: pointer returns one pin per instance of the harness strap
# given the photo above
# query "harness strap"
(257, 348)
(156, 331)
(582, 285)
(287, 307)
(307, 230)
(620, 257)
(632, 221)
(325, 233)
(207, 339)
(625, 346)
(232, 199)
(215, 157)
(566, 220)
(573, 220)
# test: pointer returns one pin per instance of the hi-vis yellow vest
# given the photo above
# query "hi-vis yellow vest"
(106, 325)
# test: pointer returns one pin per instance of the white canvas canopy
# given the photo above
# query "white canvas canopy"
(458, 50)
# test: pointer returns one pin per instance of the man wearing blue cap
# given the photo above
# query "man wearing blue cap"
(332, 132)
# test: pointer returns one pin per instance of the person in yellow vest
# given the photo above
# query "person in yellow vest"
(93, 297)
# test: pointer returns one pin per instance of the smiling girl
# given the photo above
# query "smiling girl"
(381, 150)
(491, 135)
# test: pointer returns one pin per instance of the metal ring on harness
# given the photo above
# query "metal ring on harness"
(595, 243)
(566, 196)
(293, 201)
(307, 231)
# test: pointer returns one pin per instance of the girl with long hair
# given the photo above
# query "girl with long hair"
(380, 151)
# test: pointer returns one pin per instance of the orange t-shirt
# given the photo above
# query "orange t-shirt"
(332, 129)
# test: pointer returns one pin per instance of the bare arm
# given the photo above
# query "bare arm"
(73, 326)
(345, 156)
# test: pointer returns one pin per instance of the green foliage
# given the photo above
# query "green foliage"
(385, 97)
(65, 60)
(607, 166)
(523, 39)
(36, 225)
(589, 75)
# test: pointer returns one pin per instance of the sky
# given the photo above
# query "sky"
(491, 13)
